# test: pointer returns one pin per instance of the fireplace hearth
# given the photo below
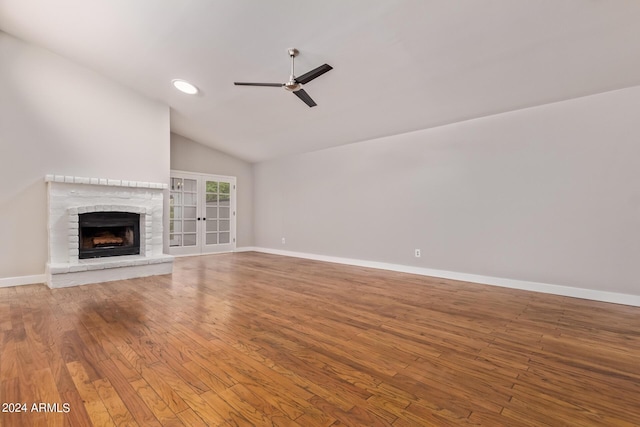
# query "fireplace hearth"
(108, 234)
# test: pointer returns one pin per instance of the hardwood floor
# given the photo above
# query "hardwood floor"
(257, 340)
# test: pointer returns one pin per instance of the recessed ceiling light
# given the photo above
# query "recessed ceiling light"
(184, 86)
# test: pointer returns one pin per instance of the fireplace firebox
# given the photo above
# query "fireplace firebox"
(107, 234)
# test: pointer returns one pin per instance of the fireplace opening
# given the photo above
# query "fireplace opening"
(106, 234)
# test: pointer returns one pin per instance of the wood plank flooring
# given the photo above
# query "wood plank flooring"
(252, 339)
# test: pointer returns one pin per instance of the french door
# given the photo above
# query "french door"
(202, 213)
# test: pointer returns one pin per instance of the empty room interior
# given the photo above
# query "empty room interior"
(296, 213)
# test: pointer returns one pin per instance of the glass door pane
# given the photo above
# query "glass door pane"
(218, 201)
(224, 214)
(175, 203)
(183, 205)
(211, 201)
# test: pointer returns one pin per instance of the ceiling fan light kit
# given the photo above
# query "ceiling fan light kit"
(294, 84)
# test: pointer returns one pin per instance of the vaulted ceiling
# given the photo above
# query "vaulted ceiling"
(399, 65)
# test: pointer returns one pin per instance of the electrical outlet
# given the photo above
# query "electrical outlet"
(283, 241)
(418, 253)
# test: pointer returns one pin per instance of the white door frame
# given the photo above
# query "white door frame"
(201, 247)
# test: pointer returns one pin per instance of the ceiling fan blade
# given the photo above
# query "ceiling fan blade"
(316, 72)
(258, 84)
(304, 96)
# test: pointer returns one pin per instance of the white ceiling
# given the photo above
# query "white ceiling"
(399, 65)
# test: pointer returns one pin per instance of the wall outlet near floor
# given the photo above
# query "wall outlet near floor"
(417, 253)
(283, 241)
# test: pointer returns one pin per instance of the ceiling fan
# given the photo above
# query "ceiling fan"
(295, 83)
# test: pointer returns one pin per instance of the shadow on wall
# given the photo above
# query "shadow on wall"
(23, 215)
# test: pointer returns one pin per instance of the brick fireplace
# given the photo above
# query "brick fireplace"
(102, 230)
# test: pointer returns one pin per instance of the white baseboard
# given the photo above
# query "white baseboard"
(569, 291)
(22, 280)
(591, 294)
(248, 249)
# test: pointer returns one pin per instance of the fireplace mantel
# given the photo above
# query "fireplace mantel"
(65, 179)
(69, 196)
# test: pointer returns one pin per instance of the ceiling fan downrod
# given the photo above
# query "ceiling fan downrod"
(292, 85)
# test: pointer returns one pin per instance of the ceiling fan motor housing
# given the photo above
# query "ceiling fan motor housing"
(292, 85)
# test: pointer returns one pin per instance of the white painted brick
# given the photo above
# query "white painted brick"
(68, 200)
(68, 179)
(78, 267)
(58, 269)
(114, 264)
(103, 181)
(114, 182)
(48, 178)
(58, 178)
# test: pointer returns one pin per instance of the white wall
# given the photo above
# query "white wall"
(59, 118)
(190, 156)
(549, 194)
